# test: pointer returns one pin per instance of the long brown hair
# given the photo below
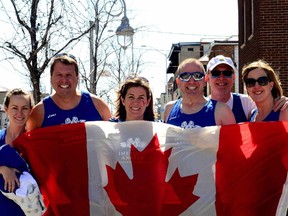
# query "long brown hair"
(66, 59)
(121, 93)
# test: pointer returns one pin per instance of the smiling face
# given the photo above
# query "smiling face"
(64, 79)
(19, 109)
(135, 103)
(257, 92)
(221, 84)
(191, 87)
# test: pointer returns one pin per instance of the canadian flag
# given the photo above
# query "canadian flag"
(150, 168)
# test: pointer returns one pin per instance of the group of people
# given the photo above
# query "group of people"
(264, 102)
(135, 102)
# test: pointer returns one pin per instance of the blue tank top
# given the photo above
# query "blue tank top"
(8, 207)
(205, 117)
(237, 109)
(273, 116)
(84, 111)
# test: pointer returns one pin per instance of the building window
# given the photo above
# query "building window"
(251, 18)
(248, 20)
(244, 22)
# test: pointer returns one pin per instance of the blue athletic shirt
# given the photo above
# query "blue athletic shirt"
(7, 206)
(237, 109)
(84, 111)
(205, 117)
(273, 116)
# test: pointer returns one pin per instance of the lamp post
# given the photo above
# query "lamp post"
(125, 34)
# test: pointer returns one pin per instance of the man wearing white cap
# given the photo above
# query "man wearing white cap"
(193, 109)
(221, 76)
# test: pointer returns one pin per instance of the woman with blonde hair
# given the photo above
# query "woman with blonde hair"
(263, 86)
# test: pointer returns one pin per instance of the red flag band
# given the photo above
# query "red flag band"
(151, 168)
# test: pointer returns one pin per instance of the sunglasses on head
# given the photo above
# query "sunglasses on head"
(66, 54)
(138, 77)
(226, 73)
(186, 76)
(251, 82)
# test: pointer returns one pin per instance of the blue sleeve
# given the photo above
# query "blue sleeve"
(9, 157)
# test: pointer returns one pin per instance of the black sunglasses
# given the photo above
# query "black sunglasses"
(262, 81)
(186, 76)
(66, 54)
(226, 73)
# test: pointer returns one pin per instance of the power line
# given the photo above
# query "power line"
(177, 33)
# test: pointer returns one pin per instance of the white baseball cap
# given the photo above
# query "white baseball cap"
(219, 59)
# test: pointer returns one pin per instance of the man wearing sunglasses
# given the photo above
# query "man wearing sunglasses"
(221, 77)
(194, 109)
(67, 105)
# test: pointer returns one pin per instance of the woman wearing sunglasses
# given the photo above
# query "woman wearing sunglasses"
(221, 75)
(263, 86)
(194, 109)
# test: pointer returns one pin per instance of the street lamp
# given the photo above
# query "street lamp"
(124, 32)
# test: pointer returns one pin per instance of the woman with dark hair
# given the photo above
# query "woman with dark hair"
(134, 101)
(20, 194)
(263, 86)
(17, 106)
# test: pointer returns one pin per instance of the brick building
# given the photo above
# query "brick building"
(263, 34)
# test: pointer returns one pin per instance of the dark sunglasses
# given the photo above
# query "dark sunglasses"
(66, 54)
(226, 73)
(186, 76)
(262, 81)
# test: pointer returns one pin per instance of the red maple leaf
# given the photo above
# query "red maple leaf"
(148, 193)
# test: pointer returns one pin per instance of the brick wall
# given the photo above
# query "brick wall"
(269, 40)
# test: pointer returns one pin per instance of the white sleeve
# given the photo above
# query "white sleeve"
(247, 104)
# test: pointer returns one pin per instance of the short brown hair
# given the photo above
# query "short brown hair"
(16, 91)
(66, 59)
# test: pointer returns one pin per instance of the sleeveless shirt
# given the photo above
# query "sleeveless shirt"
(205, 117)
(237, 109)
(273, 116)
(84, 111)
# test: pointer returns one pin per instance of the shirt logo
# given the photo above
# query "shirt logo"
(51, 115)
(73, 120)
(191, 124)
